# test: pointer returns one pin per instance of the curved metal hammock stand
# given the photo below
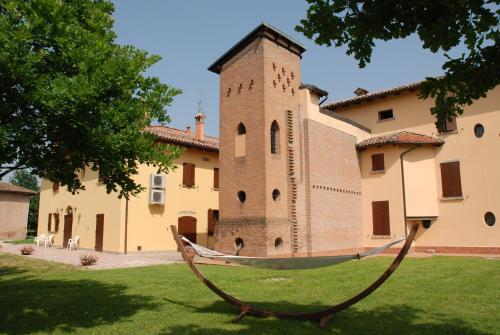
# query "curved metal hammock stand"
(323, 316)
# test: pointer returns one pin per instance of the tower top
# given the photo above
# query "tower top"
(264, 30)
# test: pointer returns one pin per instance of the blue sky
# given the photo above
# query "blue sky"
(189, 35)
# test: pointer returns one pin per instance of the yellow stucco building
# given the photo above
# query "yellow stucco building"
(186, 197)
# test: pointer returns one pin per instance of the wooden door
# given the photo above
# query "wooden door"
(99, 231)
(186, 225)
(68, 229)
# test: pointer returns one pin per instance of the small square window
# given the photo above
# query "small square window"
(378, 163)
(385, 115)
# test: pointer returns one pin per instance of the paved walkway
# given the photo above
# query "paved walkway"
(105, 261)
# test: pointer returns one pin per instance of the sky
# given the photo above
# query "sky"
(190, 35)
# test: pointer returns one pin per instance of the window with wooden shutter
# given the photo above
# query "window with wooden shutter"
(450, 179)
(56, 222)
(49, 225)
(216, 178)
(378, 162)
(448, 126)
(188, 174)
(381, 221)
(210, 222)
(55, 186)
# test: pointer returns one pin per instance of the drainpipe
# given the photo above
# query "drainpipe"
(403, 186)
(126, 224)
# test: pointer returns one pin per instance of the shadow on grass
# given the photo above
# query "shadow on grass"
(389, 320)
(30, 304)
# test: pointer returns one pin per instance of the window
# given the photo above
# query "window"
(385, 115)
(275, 134)
(381, 221)
(239, 244)
(49, 225)
(450, 180)
(213, 217)
(55, 186)
(216, 178)
(489, 218)
(278, 243)
(378, 162)
(479, 130)
(188, 174)
(449, 126)
(242, 196)
(241, 129)
(276, 194)
(56, 222)
(100, 178)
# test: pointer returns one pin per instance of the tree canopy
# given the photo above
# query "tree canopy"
(440, 24)
(25, 179)
(71, 97)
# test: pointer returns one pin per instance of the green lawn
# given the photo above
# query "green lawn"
(28, 240)
(426, 296)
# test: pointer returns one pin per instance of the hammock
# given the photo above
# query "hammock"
(289, 263)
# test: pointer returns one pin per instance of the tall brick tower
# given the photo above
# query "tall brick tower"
(259, 101)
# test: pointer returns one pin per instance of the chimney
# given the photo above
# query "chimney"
(360, 91)
(188, 130)
(199, 133)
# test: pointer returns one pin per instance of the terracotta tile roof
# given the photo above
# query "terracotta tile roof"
(180, 137)
(402, 137)
(370, 96)
(10, 188)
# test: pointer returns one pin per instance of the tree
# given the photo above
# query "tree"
(25, 179)
(440, 24)
(71, 97)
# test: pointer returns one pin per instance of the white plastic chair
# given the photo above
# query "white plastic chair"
(73, 242)
(39, 239)
(49, 240)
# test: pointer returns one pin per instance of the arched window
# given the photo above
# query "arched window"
(241, 129)
(275, 138)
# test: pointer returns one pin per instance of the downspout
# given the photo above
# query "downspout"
(403, 186)
(126, 224)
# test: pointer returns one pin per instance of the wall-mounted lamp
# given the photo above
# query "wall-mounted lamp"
(426, 224)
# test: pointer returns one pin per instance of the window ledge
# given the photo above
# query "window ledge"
(188, 186)
(381, 237)
(385, 120)
(443, 133)
(377, 171)
(452, 198)
(215, 188)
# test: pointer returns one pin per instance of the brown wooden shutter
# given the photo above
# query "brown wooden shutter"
(381, 221)
(216, 178)
(56, 222)
(55, 186)
(211, 222)
(378, 162)
(450, 179)
(188, 174)
(49, 226)
(451, 125)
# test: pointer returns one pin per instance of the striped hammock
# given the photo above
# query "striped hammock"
(289, 263)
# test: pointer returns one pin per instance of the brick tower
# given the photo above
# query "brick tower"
(259, 101)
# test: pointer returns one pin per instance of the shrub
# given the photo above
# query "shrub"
(27, 250)
(88, 259)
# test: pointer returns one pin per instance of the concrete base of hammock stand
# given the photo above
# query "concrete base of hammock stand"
(322, 316)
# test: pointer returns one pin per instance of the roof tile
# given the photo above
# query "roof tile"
(10, 188)
(181, 137)
(402, 137)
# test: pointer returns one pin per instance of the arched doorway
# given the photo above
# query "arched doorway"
(68, 226)
(186, 225)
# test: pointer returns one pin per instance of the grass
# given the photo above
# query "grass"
(28, 240)
(426, 296)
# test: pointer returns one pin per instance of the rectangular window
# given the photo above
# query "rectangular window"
(188, 174)
(49, 225)
(450, 180)
(216, 178)
(56, 222)
(378, 162)
(449, 126)
(100, 179)
(213, 217)
(381, 221)
(386, 115)
(55, 186)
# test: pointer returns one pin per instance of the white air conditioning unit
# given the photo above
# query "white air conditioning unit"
(157, 181)
(156, 197)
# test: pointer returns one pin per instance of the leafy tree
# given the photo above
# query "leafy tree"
(25, 179)
(71, 97)
(440, 24)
